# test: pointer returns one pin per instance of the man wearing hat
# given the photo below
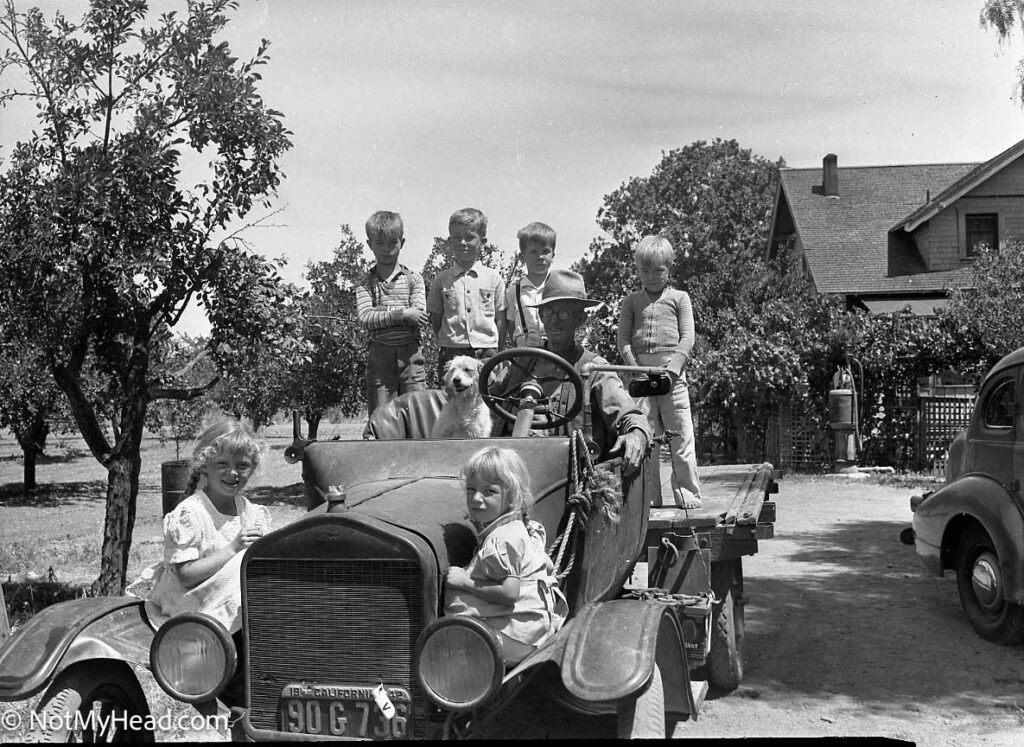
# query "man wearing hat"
(619, 426)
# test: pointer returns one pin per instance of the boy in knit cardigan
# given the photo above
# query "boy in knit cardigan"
(656, 329)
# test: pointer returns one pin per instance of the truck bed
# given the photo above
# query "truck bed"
(736, 508)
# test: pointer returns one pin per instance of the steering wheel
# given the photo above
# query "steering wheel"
(531, 396)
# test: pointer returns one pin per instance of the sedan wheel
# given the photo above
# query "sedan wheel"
(980, 584)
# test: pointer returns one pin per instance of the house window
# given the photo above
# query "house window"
(980, 229)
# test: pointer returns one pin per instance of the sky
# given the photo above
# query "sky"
(537, 110)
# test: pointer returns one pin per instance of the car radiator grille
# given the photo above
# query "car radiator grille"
(331, 621)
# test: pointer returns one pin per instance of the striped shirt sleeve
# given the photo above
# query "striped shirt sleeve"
(369, 316)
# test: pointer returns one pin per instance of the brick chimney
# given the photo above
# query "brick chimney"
(830, 175)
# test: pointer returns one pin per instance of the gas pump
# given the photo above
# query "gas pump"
(843, 409)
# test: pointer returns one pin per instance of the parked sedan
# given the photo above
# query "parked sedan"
(974, 524)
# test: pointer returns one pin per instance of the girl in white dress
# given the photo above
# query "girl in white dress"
(510, 582)
(205, 535)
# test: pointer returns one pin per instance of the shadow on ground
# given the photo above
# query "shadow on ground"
(866, 622)
(54, 494)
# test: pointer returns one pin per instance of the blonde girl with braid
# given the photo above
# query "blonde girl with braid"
(206, 534)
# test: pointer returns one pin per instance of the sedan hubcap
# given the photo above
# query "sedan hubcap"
(985, 581)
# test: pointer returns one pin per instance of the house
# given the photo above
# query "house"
(886, 237)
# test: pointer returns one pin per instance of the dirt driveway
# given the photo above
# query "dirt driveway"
(846, 636)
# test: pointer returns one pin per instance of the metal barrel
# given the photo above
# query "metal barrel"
(173, 481)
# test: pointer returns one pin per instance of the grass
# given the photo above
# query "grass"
(56, 532)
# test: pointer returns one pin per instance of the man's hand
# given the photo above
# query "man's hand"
(632, 445)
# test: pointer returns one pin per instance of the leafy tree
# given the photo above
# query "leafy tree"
(30, 402)
(1004, 16)
(184, 364)
(262, 386)
(763, 351)
(985, 318)
(334, 373)
(152, 142)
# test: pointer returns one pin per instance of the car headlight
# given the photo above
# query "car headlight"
(458, 662)
(193, 658)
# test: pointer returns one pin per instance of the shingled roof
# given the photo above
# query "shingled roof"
(962, 186)
(846, 238)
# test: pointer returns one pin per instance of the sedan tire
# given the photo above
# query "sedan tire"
(980, 581)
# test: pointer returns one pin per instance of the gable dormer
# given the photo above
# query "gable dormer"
(983, 207)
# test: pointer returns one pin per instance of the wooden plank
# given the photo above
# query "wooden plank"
(746, 506)
(725, 488)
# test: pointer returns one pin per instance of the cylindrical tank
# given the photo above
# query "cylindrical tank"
(840, 409)
(173, 481)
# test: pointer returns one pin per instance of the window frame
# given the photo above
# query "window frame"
(965, 248)
(1010, 382)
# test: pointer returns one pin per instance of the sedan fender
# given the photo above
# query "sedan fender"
(611, 649)
(68, 633)
(941, 517)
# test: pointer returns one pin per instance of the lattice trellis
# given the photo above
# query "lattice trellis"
(801, 438)
(942, 418)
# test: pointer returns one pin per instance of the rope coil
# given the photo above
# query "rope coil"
(589, 492)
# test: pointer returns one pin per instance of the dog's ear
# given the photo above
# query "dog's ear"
(479, 364)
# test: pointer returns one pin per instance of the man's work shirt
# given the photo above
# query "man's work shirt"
(467, 302)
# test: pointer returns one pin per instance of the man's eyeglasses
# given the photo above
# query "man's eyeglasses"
(546, 314)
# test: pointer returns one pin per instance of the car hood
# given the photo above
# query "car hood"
(432, 507)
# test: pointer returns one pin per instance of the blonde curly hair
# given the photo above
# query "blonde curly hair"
(227, 436)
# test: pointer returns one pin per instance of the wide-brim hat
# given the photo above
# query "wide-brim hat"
(564, 285)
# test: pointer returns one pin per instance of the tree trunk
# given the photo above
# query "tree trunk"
(33, 443)
(29, 471)
(740, 432)
(313, 423)
(119, 521)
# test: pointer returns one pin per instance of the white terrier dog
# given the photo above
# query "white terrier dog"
(464, 414)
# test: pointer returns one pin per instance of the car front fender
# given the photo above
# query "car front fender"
(70, 632)
(611, 648)
(943, 515)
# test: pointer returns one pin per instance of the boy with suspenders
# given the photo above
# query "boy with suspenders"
(522, 326)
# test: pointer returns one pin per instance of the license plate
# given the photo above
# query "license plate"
(344, 711)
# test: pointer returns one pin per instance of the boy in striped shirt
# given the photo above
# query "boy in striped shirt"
(391, 306)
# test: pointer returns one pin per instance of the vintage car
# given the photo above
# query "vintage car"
(343, 629)
(974, 524)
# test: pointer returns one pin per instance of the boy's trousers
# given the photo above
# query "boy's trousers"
(392, 370)
(671, 412)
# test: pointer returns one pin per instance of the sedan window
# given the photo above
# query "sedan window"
(1000, 405)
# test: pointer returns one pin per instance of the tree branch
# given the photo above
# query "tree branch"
(183, 394)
